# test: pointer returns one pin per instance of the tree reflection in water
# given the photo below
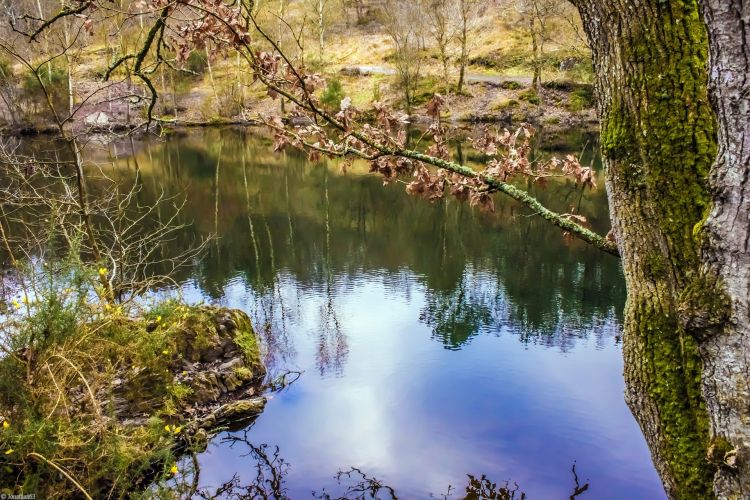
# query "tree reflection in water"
(267, 482)
(284, 227)
(270, 470)
(359, 485)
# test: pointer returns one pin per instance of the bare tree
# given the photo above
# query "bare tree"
(402, 22)
(439, 15)
(468, 11)
(9, 94)
(359, 8)
(322, 18)
(537, 15)
(42, 205)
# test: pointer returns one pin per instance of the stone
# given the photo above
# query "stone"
(97, 119)
(231, 364)
(212, 354)
(232, 382)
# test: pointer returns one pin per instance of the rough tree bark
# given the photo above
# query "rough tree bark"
(725, 344)
(658, 142)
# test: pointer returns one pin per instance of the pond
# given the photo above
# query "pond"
(433, 341)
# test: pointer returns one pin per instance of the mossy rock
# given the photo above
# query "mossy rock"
(504, 104)
(149, 383)
(511, 85)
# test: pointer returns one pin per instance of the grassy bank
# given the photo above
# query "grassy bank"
(99, 399)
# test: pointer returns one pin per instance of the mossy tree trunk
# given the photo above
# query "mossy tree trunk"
(658, 143)
(725, 342)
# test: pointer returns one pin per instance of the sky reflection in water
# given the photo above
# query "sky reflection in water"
(435, 342)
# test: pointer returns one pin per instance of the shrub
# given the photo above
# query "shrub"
(196, 62)
(376, 93)
(504, 104)
(563, 85)
(58, 406)
(53, 399)
(510, 85)
(332, 95)
(230, 99)
(54, 81)
(6, 71)
(530, 96)
(580, 99)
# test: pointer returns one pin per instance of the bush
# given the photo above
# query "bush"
(376, 93)
(510, 85)
(332, 95)
(6, 71)
(196, 62)
(530, 96)
(504, 104)
(64, 402)
(491, 61)
(230, 102)
(54, 79)
(563, 85)
(580, 99)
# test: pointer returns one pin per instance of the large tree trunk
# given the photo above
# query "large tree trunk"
(725, 345)
(658, 144)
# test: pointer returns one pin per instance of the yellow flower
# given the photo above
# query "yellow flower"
(102, 271)
(177, 430)
(168, 428)
(9, 451)
(173, 470)
(158, 319)
(15, 304)
(165, 352)
(6, 424)
(25, 299)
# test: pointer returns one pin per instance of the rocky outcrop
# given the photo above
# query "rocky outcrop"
(216, 364)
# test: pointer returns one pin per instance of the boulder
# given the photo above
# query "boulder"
(98, 119)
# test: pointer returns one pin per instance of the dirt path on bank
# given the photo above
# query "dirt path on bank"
(470, 77)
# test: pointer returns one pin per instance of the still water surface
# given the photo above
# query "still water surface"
(434, 341)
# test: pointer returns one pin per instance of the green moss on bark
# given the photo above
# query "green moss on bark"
(660, 128)
(658, 137)
(671, 375)
(704, 305)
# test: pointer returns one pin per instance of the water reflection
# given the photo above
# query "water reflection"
(267, 480)
(433, 340)
(276, 214)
